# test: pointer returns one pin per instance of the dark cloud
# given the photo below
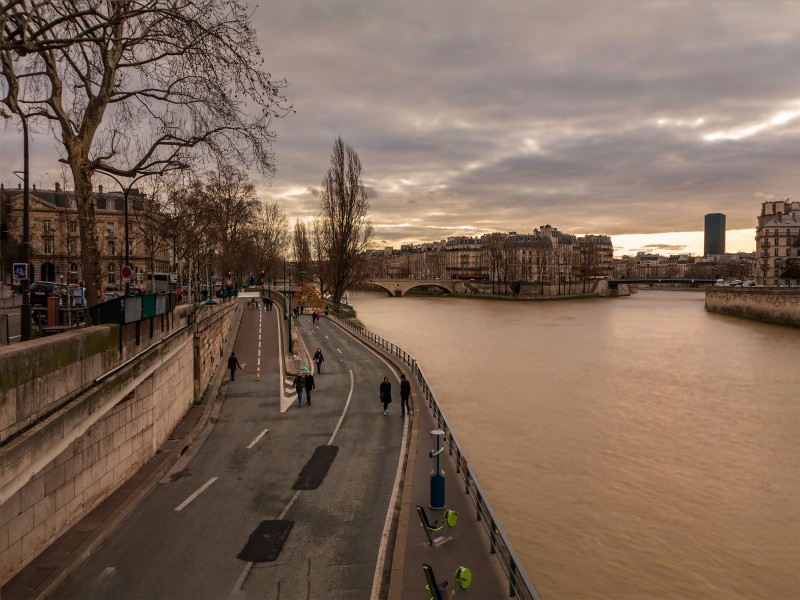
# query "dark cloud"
(591, 116)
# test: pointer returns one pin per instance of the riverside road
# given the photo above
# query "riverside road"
(254, 511)
(257, 497)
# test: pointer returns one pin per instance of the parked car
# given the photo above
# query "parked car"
(40, 290)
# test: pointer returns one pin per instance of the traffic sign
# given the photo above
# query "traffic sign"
(20, 271)
(126, 273)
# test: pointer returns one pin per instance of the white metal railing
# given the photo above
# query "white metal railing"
(519, 584)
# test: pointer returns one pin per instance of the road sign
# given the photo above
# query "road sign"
(126, 273)
(20, 271)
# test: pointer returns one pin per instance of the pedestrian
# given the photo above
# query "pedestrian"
(263, 301)
(299, 384)
(308, 380)
(405, 394)
(314, 318)
(326, 311)
(386, 394)
(269, 303)
(318, 360)
(233, 364)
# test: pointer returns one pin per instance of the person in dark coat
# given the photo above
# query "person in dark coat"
(386, 394)
(405, 394)
(318, 360)
(308, 380)
(299, 384)
(233, 364)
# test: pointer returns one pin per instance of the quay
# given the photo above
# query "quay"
(322, 503)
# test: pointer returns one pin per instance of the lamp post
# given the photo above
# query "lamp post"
(125, 192)
(25, 308)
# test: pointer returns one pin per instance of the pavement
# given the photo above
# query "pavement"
(404, 545)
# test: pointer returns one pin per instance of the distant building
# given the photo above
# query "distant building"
(778, 243)
(714, 234)
(55, 235)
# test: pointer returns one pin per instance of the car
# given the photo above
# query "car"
(40, 290)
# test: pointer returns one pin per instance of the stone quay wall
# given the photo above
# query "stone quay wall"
(780, 306)
(82, 411)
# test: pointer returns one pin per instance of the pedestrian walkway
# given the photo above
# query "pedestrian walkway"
(404, 545)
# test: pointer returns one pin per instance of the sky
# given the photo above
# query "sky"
(626, 118)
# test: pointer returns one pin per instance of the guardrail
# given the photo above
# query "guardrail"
(518, 582)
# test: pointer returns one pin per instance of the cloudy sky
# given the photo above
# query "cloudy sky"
(627, 118)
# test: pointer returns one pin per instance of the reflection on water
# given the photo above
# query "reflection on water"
(633, 448)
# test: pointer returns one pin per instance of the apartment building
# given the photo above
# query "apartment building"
(55, 237)
(778, 243)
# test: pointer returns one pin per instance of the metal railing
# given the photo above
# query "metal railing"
(518, 582)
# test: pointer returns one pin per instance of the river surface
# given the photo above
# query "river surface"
(632, 448)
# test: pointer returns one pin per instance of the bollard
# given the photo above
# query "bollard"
(437, 475)
(258, 374)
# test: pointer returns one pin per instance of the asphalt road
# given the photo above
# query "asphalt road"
(275, 500)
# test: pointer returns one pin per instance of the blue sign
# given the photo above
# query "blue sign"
(20, 271)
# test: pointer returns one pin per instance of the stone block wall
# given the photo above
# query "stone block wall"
(71, 441)
(780, 306)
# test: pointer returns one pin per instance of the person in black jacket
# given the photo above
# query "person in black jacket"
(318, 360)
(386, 394)
(405, 394)
(308, 380)
(233, 364)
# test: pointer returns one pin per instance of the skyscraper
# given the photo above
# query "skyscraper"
(714, 234)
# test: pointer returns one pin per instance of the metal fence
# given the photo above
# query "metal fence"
(518, 582)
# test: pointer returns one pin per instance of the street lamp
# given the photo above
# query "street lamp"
(25, 308)
(126, 191)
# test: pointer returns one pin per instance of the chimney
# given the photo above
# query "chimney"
(100, 188)
(58, 187)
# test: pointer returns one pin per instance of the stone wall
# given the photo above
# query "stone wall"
(81, 412)
(780, 306)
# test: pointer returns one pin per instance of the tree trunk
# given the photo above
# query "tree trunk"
(90, 250)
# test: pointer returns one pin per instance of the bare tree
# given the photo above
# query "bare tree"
(135, 87)
(344, 231)
(302, 248)
(271, 234)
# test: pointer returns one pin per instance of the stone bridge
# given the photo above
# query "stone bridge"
(399, 287)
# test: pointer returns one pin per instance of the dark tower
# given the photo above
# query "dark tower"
(715, 234)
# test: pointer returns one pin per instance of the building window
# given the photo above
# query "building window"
(48, 245)
(111, 274)
(47, 226)
(73, 247)
(110, 227)
(73, 226)
(110, 248)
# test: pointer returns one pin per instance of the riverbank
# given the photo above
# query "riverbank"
(779, 306)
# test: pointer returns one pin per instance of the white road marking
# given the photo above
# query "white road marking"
(185, 503)
(339, 351)
(105, 574)
(344, 412)
(255, 441)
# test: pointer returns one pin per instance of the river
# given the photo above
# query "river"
(632, 448)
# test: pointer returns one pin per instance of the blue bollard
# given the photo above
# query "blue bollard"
(437, 475)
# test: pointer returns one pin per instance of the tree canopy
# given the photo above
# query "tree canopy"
(138, 87)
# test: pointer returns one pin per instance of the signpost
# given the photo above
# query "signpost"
(20, 271)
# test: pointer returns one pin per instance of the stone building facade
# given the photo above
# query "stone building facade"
(778, 243)
(55, 237)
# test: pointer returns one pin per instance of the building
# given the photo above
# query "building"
(778, 243)
(55, 236)
(714, 242)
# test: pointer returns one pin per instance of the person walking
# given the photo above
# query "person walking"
(386, 394)
(405, 394)
(299, 385)
(233, 364)
(308, 380)
(318, 360)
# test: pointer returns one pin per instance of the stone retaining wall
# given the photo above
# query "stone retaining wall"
(780, 306)
(78, 417)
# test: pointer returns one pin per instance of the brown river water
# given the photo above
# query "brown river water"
(632, 448)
